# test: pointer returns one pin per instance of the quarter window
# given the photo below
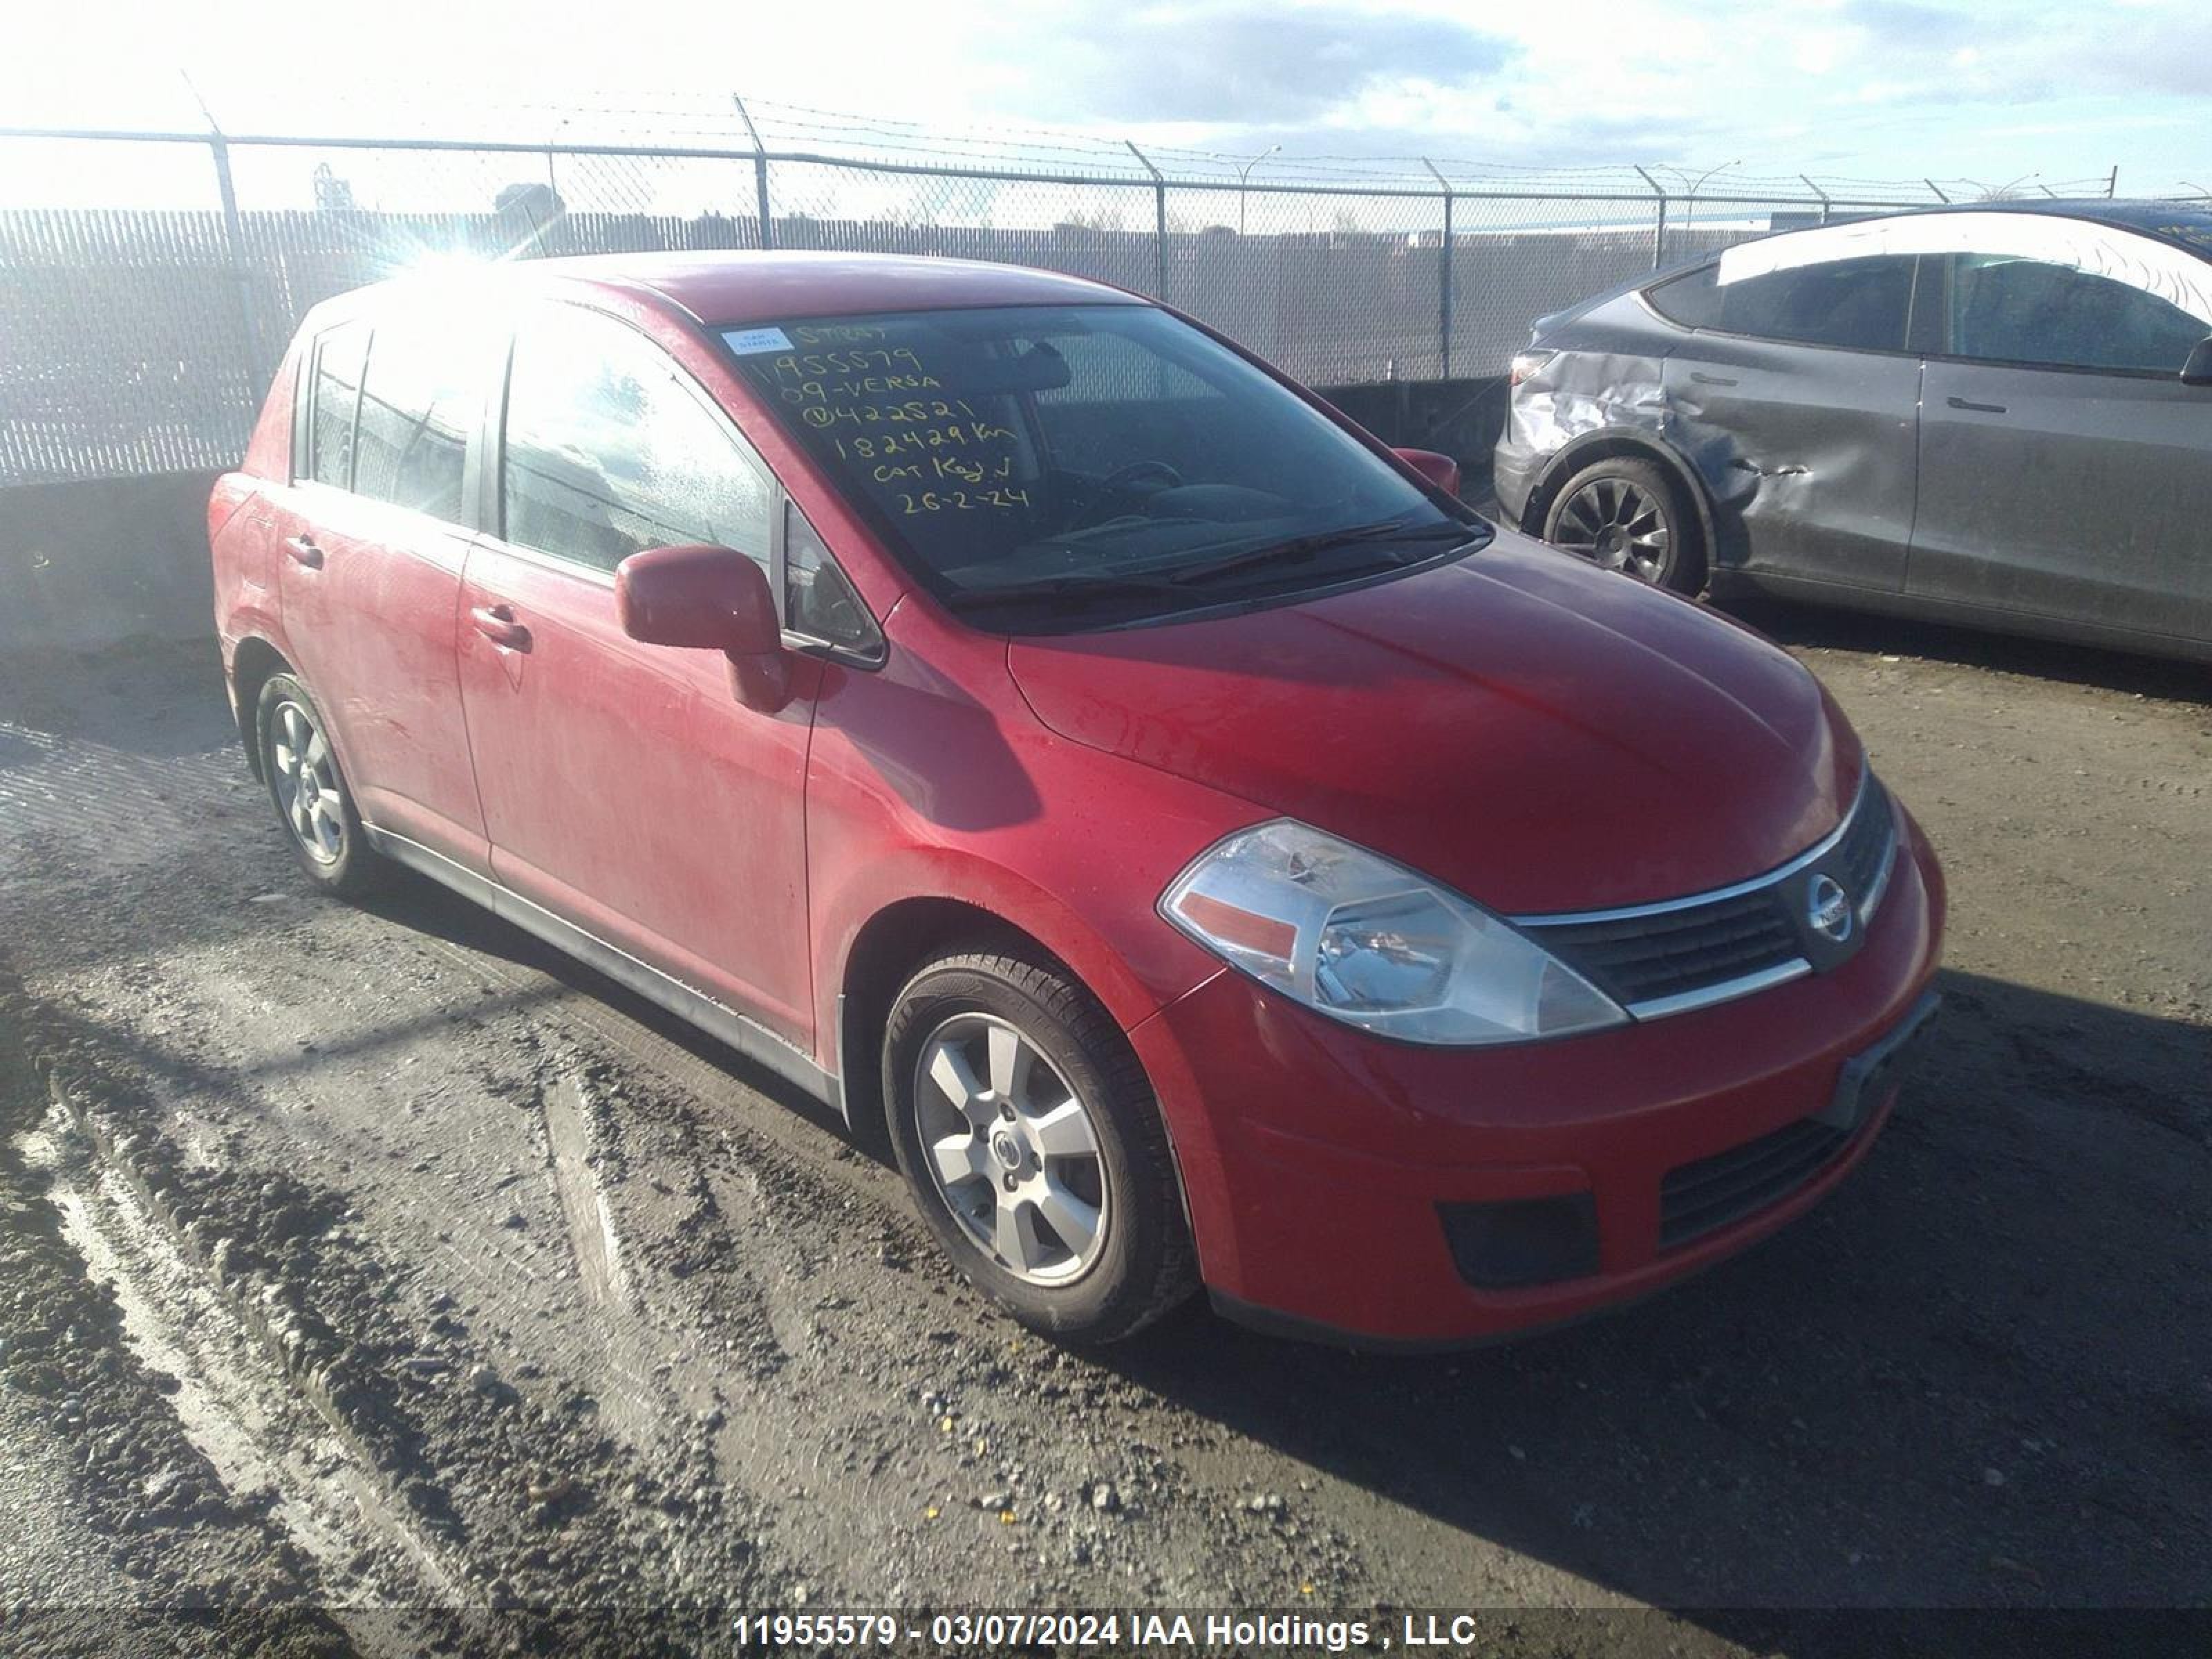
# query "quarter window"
(818, 601)
(2012, 310)
(419, 400)
(611, 450)
(335, 397)
(1861, 304)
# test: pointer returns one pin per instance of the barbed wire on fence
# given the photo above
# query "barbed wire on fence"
(156, 274)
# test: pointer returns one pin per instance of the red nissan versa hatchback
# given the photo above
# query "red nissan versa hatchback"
(1206, 850)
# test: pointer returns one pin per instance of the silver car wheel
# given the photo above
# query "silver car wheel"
(1011, 1148)
(1618, 524)
(306, 782)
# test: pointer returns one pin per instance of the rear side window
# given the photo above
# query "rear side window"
(419, 400)
(611, 449)
(2012, 310)
(332, 402)
(1859, 304)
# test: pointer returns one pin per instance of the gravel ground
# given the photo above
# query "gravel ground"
(369, 1270)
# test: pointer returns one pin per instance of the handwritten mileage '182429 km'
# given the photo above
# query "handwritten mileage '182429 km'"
(886, 407)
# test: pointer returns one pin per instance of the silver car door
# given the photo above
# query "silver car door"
(2065, 471)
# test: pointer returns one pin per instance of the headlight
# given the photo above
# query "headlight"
(1363, 941)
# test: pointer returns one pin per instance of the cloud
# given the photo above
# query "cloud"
(1238, 62)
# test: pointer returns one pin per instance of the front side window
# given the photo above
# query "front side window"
(333, 400)
(2011, 310)
(1041, 468)
(610, 449)
(1861, 304)
(420, 397)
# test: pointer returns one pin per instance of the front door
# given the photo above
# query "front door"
(2065, 471)
(624, 787)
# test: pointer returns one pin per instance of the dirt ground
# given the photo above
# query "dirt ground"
(362, 1270)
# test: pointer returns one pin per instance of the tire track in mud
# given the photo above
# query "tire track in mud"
(204, 1565)
(470, 1495)
(262, 1433)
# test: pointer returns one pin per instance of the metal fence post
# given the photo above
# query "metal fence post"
(233, 233)
(1659, 223)
(1159, 222)
(760, 174)
(233, 237)
(1443, 278)
(1818, 192)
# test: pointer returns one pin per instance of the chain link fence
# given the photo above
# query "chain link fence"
(150, 282)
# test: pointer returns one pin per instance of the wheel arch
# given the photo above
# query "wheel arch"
(252, 664)
(1633, 442)
(890, 945)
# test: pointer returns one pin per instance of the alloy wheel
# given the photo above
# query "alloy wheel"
(1618, 524)
(1011, 1148)
(306, 782)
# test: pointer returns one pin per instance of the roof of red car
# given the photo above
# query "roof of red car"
(743, 288)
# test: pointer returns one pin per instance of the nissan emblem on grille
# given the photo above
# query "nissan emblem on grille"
(1828, 908)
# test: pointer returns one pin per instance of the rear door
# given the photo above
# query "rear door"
(375, 527)
(625, 788)
(1799, 394)
(2065, 471)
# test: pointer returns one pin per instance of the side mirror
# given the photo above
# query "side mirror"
(1441, 470)
(2198, 370)
(708, 598)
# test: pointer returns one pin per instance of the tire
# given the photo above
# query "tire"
(323, 831)
(1004, 1015)
(1633, 516)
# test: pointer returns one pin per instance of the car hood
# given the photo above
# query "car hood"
(1537, 734)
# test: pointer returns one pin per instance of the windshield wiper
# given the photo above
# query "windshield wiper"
(1081, 587)
(1305, 547)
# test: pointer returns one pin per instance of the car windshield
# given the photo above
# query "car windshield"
(1052, 469)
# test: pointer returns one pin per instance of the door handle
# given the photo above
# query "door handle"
(496, 622)
(1978, 409)
(1710, 379)
(304, 551)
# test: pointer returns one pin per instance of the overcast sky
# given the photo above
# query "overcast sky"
(1878, 88)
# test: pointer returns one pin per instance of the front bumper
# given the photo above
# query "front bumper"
(1316, 1160)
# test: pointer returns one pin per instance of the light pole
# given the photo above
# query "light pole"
(1244, 173)
(1690, 211)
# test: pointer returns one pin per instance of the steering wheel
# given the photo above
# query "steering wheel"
(1123, 476)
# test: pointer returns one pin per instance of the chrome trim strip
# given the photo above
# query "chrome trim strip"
(1892, 840)
(748, 1037)
(1682, 1001)
(1819, 849)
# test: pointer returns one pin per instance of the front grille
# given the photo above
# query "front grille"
(1863, 856)
(1698, 1198)
(1666, 959)
(1642, 958)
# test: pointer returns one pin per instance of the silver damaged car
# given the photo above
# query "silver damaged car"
(1997, 415)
